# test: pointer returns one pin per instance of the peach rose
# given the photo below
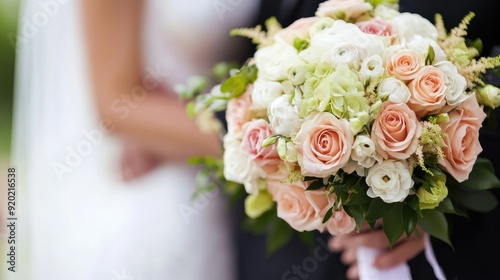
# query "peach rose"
(238, 111)
(302, 210)
(348, 10)
(377, 27)
(461, 146)
(324, 145)
(254, 133)
(428, 91)
(299, 28)
(396, 131)
(404, 64)
(340, 223)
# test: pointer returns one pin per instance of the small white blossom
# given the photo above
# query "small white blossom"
(389, 180)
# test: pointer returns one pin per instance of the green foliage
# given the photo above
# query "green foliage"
(435, 223)
(431, 55)
(393, 223)
(236, 85)
(279, 235)
(300, 44)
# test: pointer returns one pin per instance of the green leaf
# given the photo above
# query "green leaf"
(307, 237)
(378, 208)
(358, 195)
(482, 177)
(393, 223)
(414, 203)
(356, 212)
(280, 235)
(410, 219)
(261, 224)
(430, 56)
(316, 185)
(236, 85)
(446, 206)
(480, 201)
(328, 214)
(435, 223)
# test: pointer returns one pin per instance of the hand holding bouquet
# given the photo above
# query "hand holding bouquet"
(357, 114)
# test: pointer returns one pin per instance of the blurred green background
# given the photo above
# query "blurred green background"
(8, 25)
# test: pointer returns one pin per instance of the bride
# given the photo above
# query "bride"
(95, 74)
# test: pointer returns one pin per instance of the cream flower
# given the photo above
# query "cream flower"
(389, 180)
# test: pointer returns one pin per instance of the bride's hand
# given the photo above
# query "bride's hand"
(404, 250)
(135, 162)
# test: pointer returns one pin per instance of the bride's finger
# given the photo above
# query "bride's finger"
(348, 256)
(353, 272)
(338, 242)
(401, 253)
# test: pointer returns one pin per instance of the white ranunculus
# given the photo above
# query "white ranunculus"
(421, 45)
(389, 180)
(264, 93)
(397, 91)
(238, 167)
(410, 24)
(372, 67)
(345, 43)
(386, 11)
(364, 152)
(297, 75)
(273, 61)
(346, 53)
(455, 87)
(284, 117)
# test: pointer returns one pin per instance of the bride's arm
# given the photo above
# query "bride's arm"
(159, 123)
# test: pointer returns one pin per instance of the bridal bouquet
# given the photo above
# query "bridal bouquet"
(360, 113)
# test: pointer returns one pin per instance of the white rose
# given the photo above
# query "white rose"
(421, 45)
(264, 93)
(372, 67)
(397, 91)
(284, 117)
(455, 87)
(389, 180)
(273, 61)
(386, 11)
(409, 25)
(238, 167)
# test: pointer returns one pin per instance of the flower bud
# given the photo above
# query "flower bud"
(438, 192)
(257, 204)
(489, 96)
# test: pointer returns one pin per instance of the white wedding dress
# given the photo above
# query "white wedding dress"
(76, 218)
